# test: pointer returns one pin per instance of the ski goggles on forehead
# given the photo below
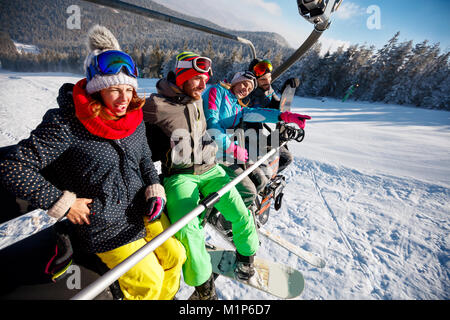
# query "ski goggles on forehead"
(262, 67)
(112, 62)
(250, 76)
(199, 64)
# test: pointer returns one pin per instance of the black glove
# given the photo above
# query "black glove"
(292, 82)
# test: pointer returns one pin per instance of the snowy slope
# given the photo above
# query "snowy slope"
(368, 191)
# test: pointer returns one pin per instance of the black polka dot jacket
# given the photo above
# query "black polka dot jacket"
(61, 157)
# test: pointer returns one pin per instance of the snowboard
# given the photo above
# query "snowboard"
(277, 279)
(286, 98)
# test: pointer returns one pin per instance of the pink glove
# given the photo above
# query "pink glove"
(238, 152)
(155, 206)
(297, 118)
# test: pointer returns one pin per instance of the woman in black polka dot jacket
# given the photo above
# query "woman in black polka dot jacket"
(99, 172)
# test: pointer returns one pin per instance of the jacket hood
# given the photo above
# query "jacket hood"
(171, 91)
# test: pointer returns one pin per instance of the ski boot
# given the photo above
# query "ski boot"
(244, 269)
(206, 291)
(62, 258)
(217, 220)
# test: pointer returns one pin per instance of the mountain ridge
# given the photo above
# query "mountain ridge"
(44, 23)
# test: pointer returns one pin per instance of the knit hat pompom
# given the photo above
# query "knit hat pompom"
(99, 40)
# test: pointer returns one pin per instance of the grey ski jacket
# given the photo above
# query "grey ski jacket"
(184, 145)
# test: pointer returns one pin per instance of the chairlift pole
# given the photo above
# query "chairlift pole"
(124, 6)
(318, 13)
(305, 46)
(321, 23)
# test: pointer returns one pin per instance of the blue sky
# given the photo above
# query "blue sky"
(416, 20)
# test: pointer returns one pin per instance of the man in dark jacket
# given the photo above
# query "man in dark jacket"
(265, 97)
(176, 128)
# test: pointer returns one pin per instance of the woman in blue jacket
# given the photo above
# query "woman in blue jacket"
(224, 110)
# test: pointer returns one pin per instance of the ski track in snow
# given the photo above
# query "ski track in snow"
(368, 227)
(344, 237)
(376, 224)
(383, 235)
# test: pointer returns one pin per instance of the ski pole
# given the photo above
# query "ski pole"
(96, 287)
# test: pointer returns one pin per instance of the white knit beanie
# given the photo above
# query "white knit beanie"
(100, 39)
(244, 76)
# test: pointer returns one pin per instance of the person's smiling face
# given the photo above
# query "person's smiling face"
(264, 81)
(117, 98)
(242, 89)
(195, 86)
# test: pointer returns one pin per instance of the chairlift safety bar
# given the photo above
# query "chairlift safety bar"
(96, 287)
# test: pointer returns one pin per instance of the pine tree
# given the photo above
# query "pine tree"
(388, 61)
(168, 62)
(435, 83)
(209, 51)
(308, 68)
(361, 70)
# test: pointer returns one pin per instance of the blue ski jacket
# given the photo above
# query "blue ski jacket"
(223, 111)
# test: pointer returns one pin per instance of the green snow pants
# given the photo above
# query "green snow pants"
(246, 187)
(183, 195)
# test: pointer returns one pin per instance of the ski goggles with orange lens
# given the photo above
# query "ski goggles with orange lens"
(111, 62)
(199, 64)
(262, 67)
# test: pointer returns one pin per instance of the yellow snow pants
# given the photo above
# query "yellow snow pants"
(157, 276)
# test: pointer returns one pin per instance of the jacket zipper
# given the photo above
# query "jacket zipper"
(125, 172)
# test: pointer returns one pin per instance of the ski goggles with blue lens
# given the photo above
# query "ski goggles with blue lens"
(111, 62)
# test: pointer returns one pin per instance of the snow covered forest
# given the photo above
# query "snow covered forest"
(400, 72)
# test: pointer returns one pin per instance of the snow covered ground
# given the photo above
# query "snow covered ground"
(26, 48)
(368, 191)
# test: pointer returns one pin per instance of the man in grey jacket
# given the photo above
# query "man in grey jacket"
(176, 132)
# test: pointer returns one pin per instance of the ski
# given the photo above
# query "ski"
(299, 252)
(24, 226)
(276, 279)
